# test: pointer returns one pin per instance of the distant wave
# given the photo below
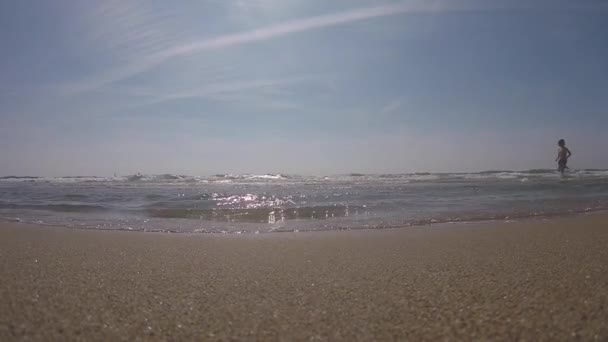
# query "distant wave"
(498, 175)
(539, 171)
(267, 176)
(19, 177)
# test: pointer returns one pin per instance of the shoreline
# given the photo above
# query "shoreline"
(543, 280)
(450, 223)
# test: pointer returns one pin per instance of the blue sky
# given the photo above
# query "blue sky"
(313, 87)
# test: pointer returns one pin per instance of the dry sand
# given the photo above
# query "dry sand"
(530, 281)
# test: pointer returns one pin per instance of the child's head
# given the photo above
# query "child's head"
(561, 143)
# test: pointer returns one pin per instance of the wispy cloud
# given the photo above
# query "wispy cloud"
(155, 37)
(247, 37)
(127, 29)
(222, 91)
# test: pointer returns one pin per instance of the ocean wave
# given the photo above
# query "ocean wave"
(58, 207)
(493, 175)
(497, 175)
(594, 173)
(424, 177)
(267, 176)
(318, 218)
(67, 179)
(18, 177)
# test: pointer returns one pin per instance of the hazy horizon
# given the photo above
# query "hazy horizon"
(301, 87)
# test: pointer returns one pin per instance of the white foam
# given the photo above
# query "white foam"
(420, 178)
(267, 176)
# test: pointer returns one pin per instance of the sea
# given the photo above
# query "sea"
(267, 203)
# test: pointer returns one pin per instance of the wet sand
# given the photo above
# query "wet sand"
(489, 281)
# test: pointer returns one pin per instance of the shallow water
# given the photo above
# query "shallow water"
(267, 203)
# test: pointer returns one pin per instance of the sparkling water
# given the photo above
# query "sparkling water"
(273, 202)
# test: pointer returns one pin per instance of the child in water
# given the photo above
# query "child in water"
(562, 156)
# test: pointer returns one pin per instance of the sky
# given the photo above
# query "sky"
(320, 87)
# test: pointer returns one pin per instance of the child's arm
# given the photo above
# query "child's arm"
(569, 153)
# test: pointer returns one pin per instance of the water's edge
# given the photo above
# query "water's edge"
(501, 221)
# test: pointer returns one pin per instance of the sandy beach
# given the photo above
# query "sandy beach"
(489, 281)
